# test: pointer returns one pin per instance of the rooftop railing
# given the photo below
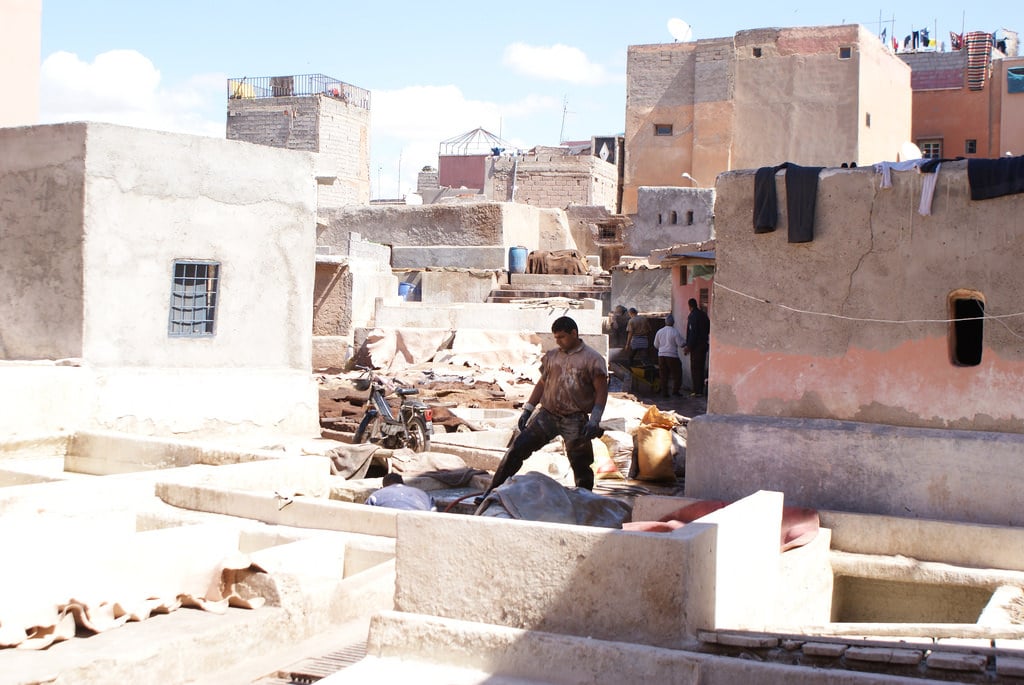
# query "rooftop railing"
(251, 87)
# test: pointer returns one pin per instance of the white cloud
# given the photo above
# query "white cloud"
(410, 123)
(123, 87)
(440, 112)
(555, 63)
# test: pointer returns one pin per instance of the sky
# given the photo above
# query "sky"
(531, 72)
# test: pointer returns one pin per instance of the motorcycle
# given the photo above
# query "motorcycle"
(411, 428)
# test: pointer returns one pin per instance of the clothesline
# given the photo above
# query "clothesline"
(719, 284)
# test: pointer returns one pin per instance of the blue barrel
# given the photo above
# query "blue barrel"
(517, 259)
(404, 289)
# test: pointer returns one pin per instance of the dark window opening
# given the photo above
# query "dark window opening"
(608, 233)
(930, 149)
(845, 52)
(673, 217)
(682, 275)
(663, 129)
(867, 119)
(967, 330)
(970, 146)
(194, 291)
(659, 219)
(689, 218)
(757, 52)
(703, 299)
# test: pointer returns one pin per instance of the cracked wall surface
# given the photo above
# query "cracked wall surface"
(853, 325)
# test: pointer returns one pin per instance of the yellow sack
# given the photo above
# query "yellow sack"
(604, 466)
(654, 453)
(653, 417)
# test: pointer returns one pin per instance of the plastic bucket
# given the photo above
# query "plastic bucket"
(517, 259)
(404, 290)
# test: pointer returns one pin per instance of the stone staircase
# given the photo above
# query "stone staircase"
(544, 286)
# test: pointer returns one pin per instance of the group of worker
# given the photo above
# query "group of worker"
(631, 332)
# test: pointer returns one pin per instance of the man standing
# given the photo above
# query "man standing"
(670, 370)
(698, 327)
(637, 332)
(572, 392)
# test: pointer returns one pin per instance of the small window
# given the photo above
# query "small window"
(689, 218)
(867, 119)
(682, 276)
(663, 129)
(194, 288)
(845, 52)
(967, 329)
(659, 219)
(1015, 80)
(970, 146)
(673, 217)
(930, 149)
(703, 299)
(757, 52)
(608, 233)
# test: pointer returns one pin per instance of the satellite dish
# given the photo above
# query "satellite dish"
(909, 151)
(679, 29)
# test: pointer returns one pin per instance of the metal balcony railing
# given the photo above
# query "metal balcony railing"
(248, 87)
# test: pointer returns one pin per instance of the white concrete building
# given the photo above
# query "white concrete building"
(174, 271)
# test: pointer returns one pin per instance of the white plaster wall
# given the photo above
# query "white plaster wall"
(951, 475)
(43, 398)
(200, 402)
(493, 316)
(153, 197)
(646, 588)
(647, 233)
(41, 269)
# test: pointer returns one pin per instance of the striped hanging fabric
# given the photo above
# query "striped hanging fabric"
(979, 52)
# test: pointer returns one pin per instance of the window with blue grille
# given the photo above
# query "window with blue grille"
(194, 289)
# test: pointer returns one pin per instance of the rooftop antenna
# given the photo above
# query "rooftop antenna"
(565, 111)
(679, 30)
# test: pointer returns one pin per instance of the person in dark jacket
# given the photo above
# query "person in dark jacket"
(698, 329)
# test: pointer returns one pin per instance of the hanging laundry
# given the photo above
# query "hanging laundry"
(906, 43)
(991, 178)
(979, 52)
(956, 41)
(928, 190)
(883, 35)
(801, 197)
(916, 36)
(885, 169)
(924, 38)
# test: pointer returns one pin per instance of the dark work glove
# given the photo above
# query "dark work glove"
(525, 417)
(593, 429)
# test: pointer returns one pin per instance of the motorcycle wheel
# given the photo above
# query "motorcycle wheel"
(368, 430)
(419, 439)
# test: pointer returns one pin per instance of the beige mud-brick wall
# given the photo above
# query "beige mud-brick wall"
(800, 101)
(873, 257)
(345, 140)
(482, 224)
(729, 107)
(555, 181)
(316, 123)
(332, 298)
